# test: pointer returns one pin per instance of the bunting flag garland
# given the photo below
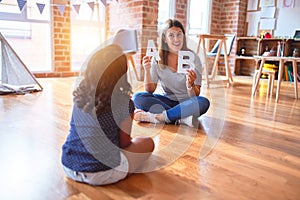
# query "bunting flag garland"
(76, 7)
(21, 4)
(41, 7)
(92, 5)
(61, 9)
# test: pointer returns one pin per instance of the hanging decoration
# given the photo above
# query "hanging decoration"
(91, 5)
(21, 4)
(60, 7)
(76, 7)
(104, 2)
(41, 7)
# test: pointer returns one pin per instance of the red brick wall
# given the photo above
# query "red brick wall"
(61, 39)
(228, 16)
(61, 42)
(181, 11)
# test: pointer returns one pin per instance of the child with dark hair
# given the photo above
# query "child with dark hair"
(99, 149)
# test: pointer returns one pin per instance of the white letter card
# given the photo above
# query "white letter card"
(185, 61)
(151, 50)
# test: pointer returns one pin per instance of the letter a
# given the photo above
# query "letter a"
(151, 50)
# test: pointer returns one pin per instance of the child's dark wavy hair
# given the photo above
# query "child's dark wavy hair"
(106, 73)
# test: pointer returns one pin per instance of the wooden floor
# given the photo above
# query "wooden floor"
(247, 148)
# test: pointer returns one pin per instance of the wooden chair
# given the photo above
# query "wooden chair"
(222, 48)
(127, 39)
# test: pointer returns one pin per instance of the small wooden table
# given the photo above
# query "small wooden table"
(281, 61)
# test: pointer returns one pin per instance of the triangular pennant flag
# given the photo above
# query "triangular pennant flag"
(91, 4)
(61, 9)
(104, 2)
(21, 4)
(76, 7)
(41, 7)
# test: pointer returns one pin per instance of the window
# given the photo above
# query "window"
(198, 16)
(27, 31)
(166, 10)
(87, 32)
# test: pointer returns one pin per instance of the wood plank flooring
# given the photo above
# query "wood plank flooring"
(247, 148)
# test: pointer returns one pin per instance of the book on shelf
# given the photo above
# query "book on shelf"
(289, 74)
(286, 76)
(288, 71)
(298, 76)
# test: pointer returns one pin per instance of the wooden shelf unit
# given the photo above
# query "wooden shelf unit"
(246, 65)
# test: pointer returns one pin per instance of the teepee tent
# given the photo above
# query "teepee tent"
(14, 75)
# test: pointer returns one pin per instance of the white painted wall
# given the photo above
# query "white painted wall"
(288, 19)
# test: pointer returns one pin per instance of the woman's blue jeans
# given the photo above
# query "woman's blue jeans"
(157, 103)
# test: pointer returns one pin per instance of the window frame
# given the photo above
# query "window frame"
(26, 32)
(171, 14)
(92, 22)
(207, 22)
(21, 17)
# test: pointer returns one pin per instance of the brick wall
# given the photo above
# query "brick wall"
(61, 42)
(228, 16)
(181, 11)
